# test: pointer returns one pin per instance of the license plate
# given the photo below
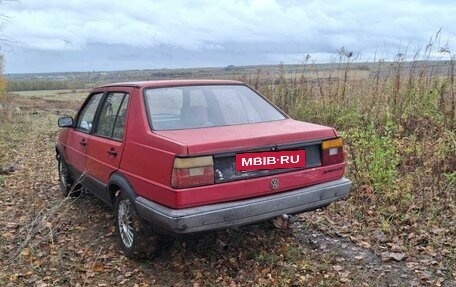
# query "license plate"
(270, 160)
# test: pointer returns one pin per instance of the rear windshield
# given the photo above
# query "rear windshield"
(207, 106)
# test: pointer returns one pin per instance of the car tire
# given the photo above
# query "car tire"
(65, 180)
(135, 238)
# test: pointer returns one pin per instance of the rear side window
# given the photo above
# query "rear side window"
(87, 114)
(207, 106)
(165, 102)
(119, 124)
(111, 123)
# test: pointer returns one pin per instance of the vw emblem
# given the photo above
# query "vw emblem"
(274, 183)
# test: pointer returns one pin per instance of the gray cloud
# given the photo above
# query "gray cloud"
(174, 33)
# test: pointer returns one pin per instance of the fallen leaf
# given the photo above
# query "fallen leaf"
(128, 274)
(221, 245)
(344, 274)
(198, 275)
(398, 256)
(97, 267)
(364, 244)
(265, 271)
(26, 252)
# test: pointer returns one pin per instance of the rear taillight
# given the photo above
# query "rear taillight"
(194, 171)
(332, 152)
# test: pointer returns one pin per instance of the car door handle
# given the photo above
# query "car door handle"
(83, 142)
(112, 152)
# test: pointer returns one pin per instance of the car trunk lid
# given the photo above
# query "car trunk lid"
(247, 137)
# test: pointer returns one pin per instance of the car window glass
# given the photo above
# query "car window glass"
(108, 115)
(86, 116)
(197, 98)
(119, 125)
(164, 106)
(167, 101)
(233, 111)
(207, 106)
(253, 115)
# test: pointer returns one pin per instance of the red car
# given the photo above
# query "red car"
(194, 155)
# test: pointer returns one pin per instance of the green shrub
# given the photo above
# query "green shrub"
(374, 154)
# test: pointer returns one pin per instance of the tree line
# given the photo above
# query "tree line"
(31, 85)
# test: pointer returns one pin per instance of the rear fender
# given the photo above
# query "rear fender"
(118, 181)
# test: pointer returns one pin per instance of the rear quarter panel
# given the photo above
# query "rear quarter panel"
(148, 159)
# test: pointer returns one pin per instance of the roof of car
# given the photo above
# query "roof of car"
(168, 83)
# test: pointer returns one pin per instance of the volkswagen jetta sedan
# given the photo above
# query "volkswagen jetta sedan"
(195, 155)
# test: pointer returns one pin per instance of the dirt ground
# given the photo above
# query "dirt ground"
(48, 240)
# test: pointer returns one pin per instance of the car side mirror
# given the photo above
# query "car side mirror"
(65, 122)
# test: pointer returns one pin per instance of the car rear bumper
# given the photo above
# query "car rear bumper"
(241, 212)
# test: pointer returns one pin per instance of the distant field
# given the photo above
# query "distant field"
(308, 70)
(54, 94)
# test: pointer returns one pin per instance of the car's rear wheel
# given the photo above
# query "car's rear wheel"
(65, 180)
(135, 238)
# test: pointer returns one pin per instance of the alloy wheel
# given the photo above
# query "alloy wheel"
(125, 222)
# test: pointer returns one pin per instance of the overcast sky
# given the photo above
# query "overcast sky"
(97, 35)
